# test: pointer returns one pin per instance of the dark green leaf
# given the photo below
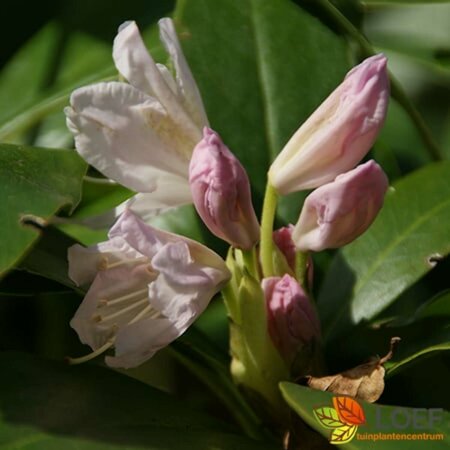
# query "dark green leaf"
(262, 67)
(35, 183)
(379, 419)
(48, 405)
(405, 242)
(48, 258)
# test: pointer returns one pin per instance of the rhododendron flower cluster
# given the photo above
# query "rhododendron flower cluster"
(146, 286)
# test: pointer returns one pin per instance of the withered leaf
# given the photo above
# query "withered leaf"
(364, 382)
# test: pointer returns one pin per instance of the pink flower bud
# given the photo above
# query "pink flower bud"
(338, 134)
(221, 192)
(292, 320)
(283, 240)
(338, 212)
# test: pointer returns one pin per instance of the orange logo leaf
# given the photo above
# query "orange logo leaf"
(349, 410)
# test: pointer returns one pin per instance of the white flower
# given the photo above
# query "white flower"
(147, 287)
(142, 134)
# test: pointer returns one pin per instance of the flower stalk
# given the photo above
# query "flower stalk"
(267, 220)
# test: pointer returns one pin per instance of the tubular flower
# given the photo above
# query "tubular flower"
(141, 134)
(147, 287)
(221, 192)
(338, 134)
(292, 321)
(337, 213)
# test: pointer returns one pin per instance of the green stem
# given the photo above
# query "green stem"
(396, 89)
(222, 386)
(301, 260)
(267, 219)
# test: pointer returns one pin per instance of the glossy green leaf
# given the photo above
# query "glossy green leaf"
(405, 242)
(379, 419)
(434, 317)
(48, 405)
(262, 67)
(22, 78)
(48, 258)
(34, 183)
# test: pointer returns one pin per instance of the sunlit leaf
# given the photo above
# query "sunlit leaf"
(34, 184)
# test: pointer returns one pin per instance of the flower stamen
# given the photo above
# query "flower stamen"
(106, 346)
(99, 318)
(146, 310)
(122, 299)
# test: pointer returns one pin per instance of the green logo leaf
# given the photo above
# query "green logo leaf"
(328, 417)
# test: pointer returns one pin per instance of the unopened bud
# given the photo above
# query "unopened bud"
(221, 192)
(338, 212)
(338, 134)
(292, 321)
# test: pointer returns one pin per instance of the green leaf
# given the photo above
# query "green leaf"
(47, 405)
(48, 258)
(405, 242)
(22, 78)
(262, 67)
(433, 315)
(379, 419)
(35, 183)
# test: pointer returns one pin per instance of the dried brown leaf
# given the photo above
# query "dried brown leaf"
(364, 382)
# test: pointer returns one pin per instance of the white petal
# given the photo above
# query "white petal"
(137, 66)
(84, 261)
(170, 193)
(138, 342)
(187, 85)
(126, 135)
(183, 287)
(109, 285)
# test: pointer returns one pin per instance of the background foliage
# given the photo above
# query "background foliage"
(262, 67)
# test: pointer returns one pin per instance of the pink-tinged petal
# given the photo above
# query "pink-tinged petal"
(84, 262)
(127, 135)
(149, 240)
(184, 285)
(108, 286)
(221, 192)
(152, 279)
(292, 321)
(138, 342)
(138, 67)
(338, 212)
(339, 133)
(186, 83)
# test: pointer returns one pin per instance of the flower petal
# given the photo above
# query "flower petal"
(186, 83)
(184, 287)
(126, 135)
(138, 67)
(84, 262)
(148, 240)
(108, 285)
(138, 342)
